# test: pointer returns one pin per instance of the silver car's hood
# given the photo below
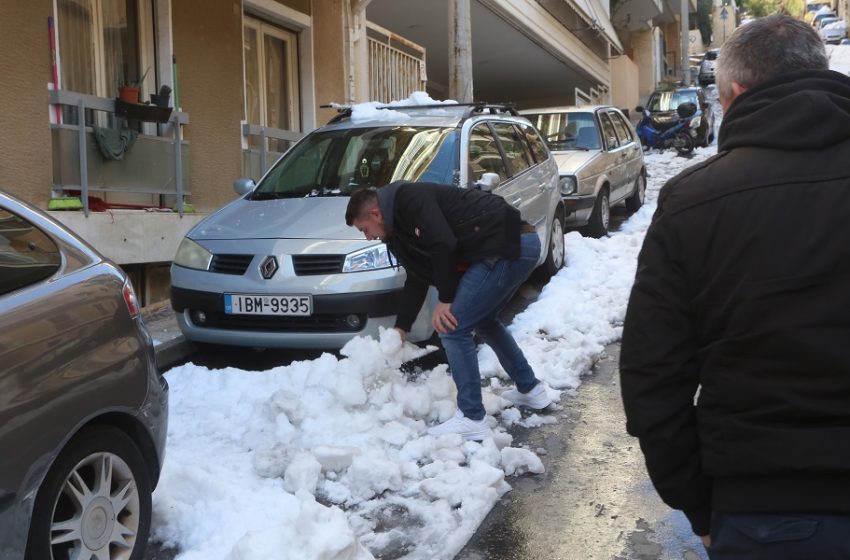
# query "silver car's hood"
(286, 218)
(572, 161)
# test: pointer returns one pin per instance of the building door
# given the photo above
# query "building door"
(271, 81)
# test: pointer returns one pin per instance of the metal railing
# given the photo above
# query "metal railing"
(264, 133)
(394, 71)
(82, 102)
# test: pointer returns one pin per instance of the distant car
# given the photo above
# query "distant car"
(707, 67)
(278, 267)
(600, 162)
(83, 409)
(833, 30)
(662, 106)
(821, 16)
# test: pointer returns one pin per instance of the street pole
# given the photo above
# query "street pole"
(686, 59)
(460, 51)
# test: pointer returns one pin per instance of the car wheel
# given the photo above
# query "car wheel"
(555, 255)
(95, 501)
(600, 217)
(683, 143)
(635, 200)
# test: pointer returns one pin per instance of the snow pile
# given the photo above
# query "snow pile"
(372, 112)
(329, 459)
(839, 58)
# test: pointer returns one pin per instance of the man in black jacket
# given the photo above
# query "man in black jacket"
(735, 361)
(471, 246)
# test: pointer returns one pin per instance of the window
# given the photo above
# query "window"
(101, 46)
(538, 147)
(27, 254)
(567, 131)
(670, 100)
(608, 131)
(271, 80)
(516, 150)
(484, 155)
(623, 132)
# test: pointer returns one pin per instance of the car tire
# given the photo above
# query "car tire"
(635, 200)
(600, 217)
(683, 143)
(74, 502)
(555, 254)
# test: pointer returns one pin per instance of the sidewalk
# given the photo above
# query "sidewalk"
(170, 344)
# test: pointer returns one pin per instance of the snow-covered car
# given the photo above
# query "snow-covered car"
(278, 267)
(833, 30)
(83, 407)
(600, 162)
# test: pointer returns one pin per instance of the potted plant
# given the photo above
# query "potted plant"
(130, 91)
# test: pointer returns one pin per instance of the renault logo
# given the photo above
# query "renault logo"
(268, 267)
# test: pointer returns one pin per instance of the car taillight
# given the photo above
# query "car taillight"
(130, 299)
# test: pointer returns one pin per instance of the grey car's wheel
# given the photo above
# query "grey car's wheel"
(600, 217)
(635, 200)
(555, 254)
(95, 502)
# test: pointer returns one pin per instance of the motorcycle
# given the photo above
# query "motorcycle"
(677, 136)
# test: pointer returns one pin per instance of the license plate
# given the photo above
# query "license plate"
(246, 304)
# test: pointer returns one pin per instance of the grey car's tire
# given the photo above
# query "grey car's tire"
(635, 200)
(555, 253)
(95, 497)
(600, 217)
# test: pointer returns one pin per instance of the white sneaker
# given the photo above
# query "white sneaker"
(466, 427)
(537, 398)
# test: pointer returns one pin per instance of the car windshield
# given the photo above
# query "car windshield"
(669, 100)
(337, 162)
(567, 131)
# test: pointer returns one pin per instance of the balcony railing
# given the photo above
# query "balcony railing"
(143, 169)
(257, 160)
(396, 65)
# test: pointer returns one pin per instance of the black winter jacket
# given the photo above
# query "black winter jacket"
(743, 291)
(433, 228)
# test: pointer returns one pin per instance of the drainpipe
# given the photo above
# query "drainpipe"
(460, 51)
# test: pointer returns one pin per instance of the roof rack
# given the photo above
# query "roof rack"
(476, 107)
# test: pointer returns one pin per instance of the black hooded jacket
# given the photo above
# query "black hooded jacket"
(433, 228)
(743, 291)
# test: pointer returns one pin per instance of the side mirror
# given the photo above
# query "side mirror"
(243, 186)
(488, 182)
(639, 109)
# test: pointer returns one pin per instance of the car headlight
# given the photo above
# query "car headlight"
(694, 122)
(371, 258)
(192, 255)
(567, 185)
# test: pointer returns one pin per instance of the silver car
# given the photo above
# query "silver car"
(707, 67)
(600, 162)
(83, 409)
(278, 267)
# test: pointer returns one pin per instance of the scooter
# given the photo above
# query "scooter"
(678, 136)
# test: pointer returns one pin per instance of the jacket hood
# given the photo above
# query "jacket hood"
(805, 110)
(386, 202)
(288, 218)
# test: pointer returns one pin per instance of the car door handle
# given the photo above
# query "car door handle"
(515, 201)
(542, 187)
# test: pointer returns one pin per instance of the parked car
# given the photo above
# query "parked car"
(600, 162)
(662, 105)
(83, 409)
(821, 15)
(278, 267)
(833, 30)
(707, 67)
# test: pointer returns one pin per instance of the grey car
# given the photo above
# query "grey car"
(707, 67)
(278, 267)
(83, 409)
(600, 162)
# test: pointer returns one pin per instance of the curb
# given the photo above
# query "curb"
(173, 352)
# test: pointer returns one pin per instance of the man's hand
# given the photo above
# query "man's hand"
(401, 333)
(706, 540)
(442, 320)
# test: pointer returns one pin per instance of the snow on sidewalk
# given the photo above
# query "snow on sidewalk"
(328, 459)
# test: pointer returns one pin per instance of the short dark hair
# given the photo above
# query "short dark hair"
(360, 201)
(766, 48)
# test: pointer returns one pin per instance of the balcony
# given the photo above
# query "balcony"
(156, 164)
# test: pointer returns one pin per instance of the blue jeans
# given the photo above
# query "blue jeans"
(484, 289)
(781, 536)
